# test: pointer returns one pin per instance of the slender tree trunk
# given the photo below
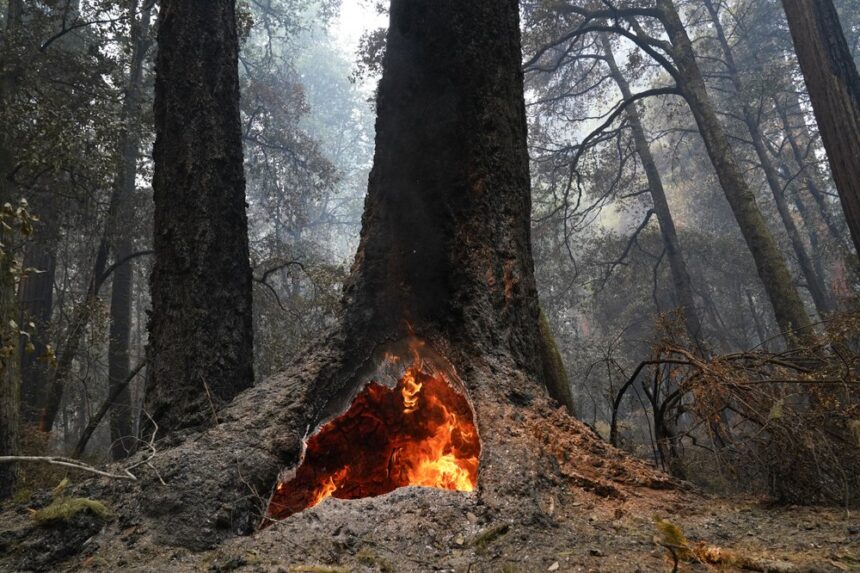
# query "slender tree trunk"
(121, 423)
(200, 346)
(834, 89)
(680, 276)
(815, 284)
(9, 367)
(772, 269)
(122, 437)
(798, 136)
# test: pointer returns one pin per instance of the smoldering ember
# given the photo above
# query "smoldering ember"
(429, 285)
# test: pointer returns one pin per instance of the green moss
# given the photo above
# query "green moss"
(65, 509)
(555, 375)
(22, 495)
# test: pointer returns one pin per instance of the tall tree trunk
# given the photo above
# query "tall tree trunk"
(834, 89)
(121, 423)
(787, 305)
(200, 346)
(680, 276)
(815, 284)
(447, 213)
(10, 383)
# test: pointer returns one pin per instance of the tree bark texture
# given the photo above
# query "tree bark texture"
(833, 83)
(200, 346)
(772, 269)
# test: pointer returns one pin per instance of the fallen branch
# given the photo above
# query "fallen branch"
(67, 463)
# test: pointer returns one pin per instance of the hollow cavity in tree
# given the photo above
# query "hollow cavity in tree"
(410, 424)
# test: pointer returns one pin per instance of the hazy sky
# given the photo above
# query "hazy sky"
(356, 17)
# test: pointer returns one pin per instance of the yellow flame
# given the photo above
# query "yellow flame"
(410, 391)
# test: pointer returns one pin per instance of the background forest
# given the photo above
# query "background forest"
(654, 172)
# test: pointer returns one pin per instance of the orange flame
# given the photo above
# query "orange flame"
(420, 433)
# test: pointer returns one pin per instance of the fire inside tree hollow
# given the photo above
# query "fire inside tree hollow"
(421, 432)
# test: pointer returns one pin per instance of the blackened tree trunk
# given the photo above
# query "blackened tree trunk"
(681, 282)
(200, 347)
(814, 282)
(834, 89)
(787, 305)
(121, 422)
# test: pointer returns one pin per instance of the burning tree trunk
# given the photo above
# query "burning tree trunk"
(440, 341)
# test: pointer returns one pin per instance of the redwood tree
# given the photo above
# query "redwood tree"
(200, 347)
(834, 89)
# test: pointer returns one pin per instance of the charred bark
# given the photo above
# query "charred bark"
(788, 308)
(445, 241)
(833, 83)
(200, 352)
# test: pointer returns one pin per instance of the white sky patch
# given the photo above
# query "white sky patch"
(356, 18)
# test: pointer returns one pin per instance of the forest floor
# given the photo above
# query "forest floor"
(459, 534)
(570, 502)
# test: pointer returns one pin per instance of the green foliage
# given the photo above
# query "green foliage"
(63, 509)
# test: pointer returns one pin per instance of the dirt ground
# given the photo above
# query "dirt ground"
(552, 496)
(459, 533)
